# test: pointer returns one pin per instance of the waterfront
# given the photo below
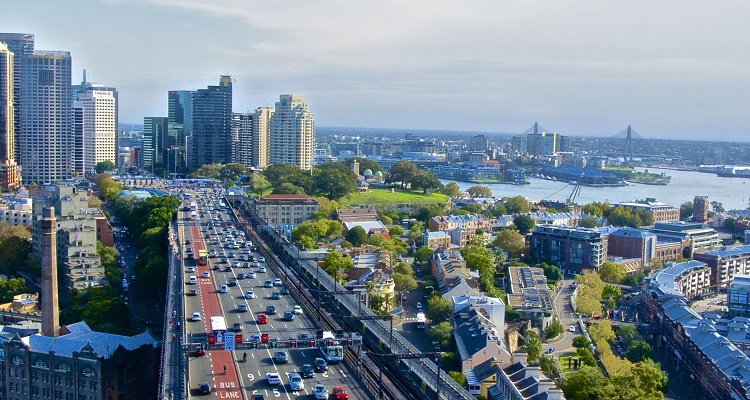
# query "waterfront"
(733, 193)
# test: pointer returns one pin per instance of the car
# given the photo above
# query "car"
(572, 328)
(205, 388)
(192, 292)
(262, 318)
(259, 396)
(235, 264)
(232, 282)
(270, 309)
(192, 280)
(297, 310)
(237, 327)
(320, 391)
(403, 297)
(227, 269)
(284, 290)
(275, 295)
(296, 382)
(240, 276)
(255, 337)
(303, 336)
(268, 283)
(242, 308)
(231, 254)
(550, 350)
(262, 270)
(277, 282)
(249, 294)
(225, 288)
(288, 316)
(307, 371)
(419, 305)
(273, 378)
(251, 275)
(261, 259)
(199, 352)
(281, 357)
(246, 265)
(339, 393)
(321, 365)
(196, 316)
(189, 270)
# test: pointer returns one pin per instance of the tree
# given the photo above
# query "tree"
(458, 376)
(479, 191)
(288, 188)
(232, 171)
(441, 333)
(356, 236)
(628, 333)
(327, 207)
(588, 222)
(210, 171)
(524, 223)
(638, 351)
(581, 342)
(510, 241)
(395, 230)
(532, 346)
(105, 165)
(593, 209)
(516, 204)
(425, 181)
(552, 272)
(423, 254)
(649, 379)
(612, 272)
(403, 268)
(717, 207)
(438, 309)
(587, 357)
(687, 210)
(109, 189)
(402, 172)
(451, 189)
(278, 174)
(334, 180)
(587, 383)
(336, 264)
(259, 183)
(499, 210)
(473, 208)
(554, 329)
(403, 281)
(11, 287)
(729, 224)
(548, 366)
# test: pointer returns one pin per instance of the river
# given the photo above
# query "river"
(733, 193)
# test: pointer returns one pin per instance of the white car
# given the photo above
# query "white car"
(297, 310)
(224, 289)
(196, 317)
(262, 269)
(249, 294)
(277, 282)
(206, 274)
(572, 328)
(191, 269)
(261, 259)
(274, 379)
(296, 382)
(320, 391)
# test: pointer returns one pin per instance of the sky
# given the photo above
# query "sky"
(672, 69)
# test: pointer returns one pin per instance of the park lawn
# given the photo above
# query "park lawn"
(385, 197)
(562, 359)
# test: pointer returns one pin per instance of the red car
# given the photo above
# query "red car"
(199, 352)
(339, 393)
(262, 318)
(192, 292)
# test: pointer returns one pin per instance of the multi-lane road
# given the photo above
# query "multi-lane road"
(214, 230)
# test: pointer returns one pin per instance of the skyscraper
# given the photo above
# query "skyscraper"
(9, 179)
(180, 114)
(154, 133)
(242, 138)
(211, 139)
(89, 86)
(261, 133)
(21, 45)
(94, 130)
(292, 133)
(45, 140)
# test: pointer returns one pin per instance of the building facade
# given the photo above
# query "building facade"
(738, 296)
(210, 141)
(155, 135)
(700, 209)
(179, 125)
(530, 296)
(9, 174)
(21, 45)
(285, 209)
(632, 243)
(261, 136)
(573, 249)
(726, 263)
(686, 280)
(242, 138)
(94, 130)
(292, 132)
(661, 211)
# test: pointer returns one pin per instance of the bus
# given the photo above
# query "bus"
(421, 319)
(331, 349)
(202, 257)
(218, 325)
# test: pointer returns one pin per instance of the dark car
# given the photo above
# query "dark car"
(284, 290)
(205, 388)
(259, 396)
(233, 282)
(288, 316)
(271, 309)
(321, 365)
(276, 295)
(307, 371)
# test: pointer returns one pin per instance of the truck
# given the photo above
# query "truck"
(421, 319)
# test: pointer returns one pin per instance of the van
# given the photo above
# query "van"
(192, 280)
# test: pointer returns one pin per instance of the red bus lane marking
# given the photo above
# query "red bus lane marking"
(209, 296)
(227, 385)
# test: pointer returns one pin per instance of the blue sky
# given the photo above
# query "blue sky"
(672, 69)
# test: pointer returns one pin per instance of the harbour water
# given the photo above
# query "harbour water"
(733, 193)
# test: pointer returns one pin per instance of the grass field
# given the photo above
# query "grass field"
(380, 197)
(563, 361)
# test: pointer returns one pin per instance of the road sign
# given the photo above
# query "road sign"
(238, 338)
(219, 338)
(229, 341)
(211, 339)
(292, 344)
(264, 338)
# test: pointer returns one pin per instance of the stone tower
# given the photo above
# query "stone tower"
(50, 309)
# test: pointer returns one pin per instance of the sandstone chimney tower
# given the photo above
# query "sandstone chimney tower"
(50, 309)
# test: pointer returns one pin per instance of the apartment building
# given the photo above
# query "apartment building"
(573, 249)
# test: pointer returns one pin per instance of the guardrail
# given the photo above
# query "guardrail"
(15, 316)
(172, 376)
(426, 370)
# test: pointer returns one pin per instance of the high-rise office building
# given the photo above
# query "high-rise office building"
(87, 86)
(21, 45)
(45, 140)
(292, 133)
(94, 130)
(210, 141)
(9, 178)
(479, 143)
(154, 134)
(242, 138)
(261, 134)
(180, 114)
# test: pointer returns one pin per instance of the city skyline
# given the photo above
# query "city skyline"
(672, 70)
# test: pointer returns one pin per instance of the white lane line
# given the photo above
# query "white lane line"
(342, 373)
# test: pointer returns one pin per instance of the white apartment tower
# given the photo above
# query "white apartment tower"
(292, 134)
(94, 130)
(260, 136)
(9, 179)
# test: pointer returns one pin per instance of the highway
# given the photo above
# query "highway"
(242, 378)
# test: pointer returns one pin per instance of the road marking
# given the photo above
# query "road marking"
(342, 373)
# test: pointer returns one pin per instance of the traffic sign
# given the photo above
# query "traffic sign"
(219, 337)
(311, 343)
(211, 339)
(229, 341)
(264, 338)
(292, 344)
(238, 338)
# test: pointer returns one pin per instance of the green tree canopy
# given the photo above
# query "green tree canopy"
(288, 188)
(516, 204)
(438, 309)
(511, 241)
(532, 346)
(334, 180)
(479, 191)
(451, 189)
(425, 181)
(259, 183)
(588, 222)
(356, 236)
(210, 171)
(403, 281)
(105, 165)
(628, 333)
(402, 172)
(441, 333)
(687, 210)
(524, 223)
(336, 264)
(612, 272)
(279, 174)
(638, 351)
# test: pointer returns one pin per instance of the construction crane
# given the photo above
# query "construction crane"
(234, 83)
